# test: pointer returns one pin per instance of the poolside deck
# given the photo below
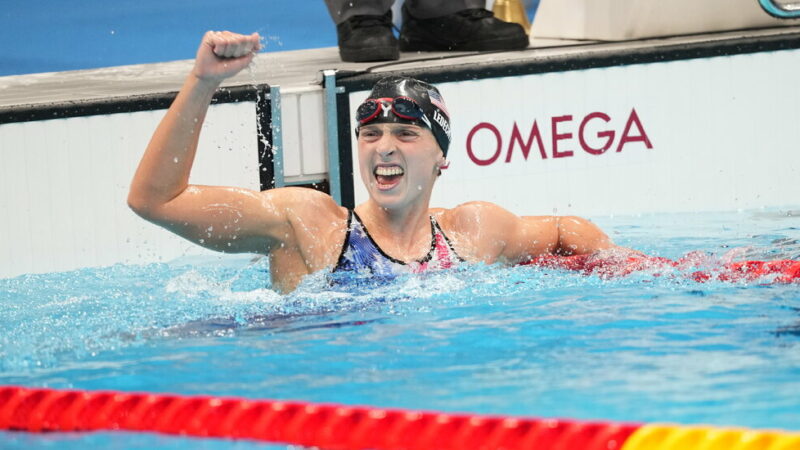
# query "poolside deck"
(301, 68)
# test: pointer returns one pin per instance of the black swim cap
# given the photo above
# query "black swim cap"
(435, 117)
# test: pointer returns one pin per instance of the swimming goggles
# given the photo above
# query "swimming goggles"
(402, 107)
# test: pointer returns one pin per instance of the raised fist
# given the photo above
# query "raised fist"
(223, 54)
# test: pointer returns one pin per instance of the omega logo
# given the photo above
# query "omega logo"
(633, 132)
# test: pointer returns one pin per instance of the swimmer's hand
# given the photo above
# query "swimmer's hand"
(223, 54)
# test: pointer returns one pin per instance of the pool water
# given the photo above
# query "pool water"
(482, 339)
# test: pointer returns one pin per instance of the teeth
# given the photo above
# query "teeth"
(388, 171)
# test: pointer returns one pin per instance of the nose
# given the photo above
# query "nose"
(385, 152)
(386, 145)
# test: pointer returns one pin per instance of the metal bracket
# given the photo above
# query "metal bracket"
(781, 10)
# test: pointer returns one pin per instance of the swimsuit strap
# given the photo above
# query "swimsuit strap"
(445, 253)
(361, 252)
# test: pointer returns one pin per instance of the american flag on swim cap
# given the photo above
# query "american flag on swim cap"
(438, 101)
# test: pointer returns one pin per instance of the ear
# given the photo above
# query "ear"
(443, 164)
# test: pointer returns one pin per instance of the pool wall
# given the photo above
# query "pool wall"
(706, 134)
(67, 164)
(699, 123)
(614, 20)
(65, 184)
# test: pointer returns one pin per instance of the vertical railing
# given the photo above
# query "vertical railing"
(332, 125)
(277, 136)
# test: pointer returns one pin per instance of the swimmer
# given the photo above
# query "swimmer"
(403, 132)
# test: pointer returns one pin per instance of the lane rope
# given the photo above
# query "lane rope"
(350, 427)
(299, 423)
(778, 271)
(667, 437)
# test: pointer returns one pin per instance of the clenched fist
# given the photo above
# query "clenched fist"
(223, 54)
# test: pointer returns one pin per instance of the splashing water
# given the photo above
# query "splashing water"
(485, 339)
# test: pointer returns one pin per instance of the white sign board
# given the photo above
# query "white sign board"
(65, 184)
(712, 134)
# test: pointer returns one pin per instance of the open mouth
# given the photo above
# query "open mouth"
(388, 176)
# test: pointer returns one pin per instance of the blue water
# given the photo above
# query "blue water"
(50, 36)
(53, 36)
(490, 340)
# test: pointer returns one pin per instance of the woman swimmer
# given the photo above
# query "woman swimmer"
(403, 138)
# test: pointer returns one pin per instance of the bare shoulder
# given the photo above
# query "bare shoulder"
(301, 216)
(312, 231)
(477, 229)
(468, 216)
(304, 203)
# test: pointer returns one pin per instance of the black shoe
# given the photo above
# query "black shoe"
(467, 30)
(367, 38)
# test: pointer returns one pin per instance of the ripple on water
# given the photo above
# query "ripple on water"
(486, 339)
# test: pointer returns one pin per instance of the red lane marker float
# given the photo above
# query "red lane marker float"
(308, 424)
(781, 271)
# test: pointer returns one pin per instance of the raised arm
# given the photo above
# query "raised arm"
(221, 218)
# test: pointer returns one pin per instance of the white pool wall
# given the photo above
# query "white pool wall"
(65, 182)
(723, 135)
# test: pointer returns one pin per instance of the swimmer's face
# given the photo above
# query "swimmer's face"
(399, 163)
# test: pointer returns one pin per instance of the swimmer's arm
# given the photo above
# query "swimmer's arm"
(163, 172)
(529, 237)
(228, 219)
(533, 236)
(235, 220)
(579, 236)
(488, 233)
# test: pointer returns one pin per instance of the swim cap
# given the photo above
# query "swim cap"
(424, 96)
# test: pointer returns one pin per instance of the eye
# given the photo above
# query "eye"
(369, 133)
(407, 134)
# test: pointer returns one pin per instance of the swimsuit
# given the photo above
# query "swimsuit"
(362, 255)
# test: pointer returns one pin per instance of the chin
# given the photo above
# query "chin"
(387, 201)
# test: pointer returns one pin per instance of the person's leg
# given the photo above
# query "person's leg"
(458, 25)
(364, 29)
(342, 10)
(428, 9)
